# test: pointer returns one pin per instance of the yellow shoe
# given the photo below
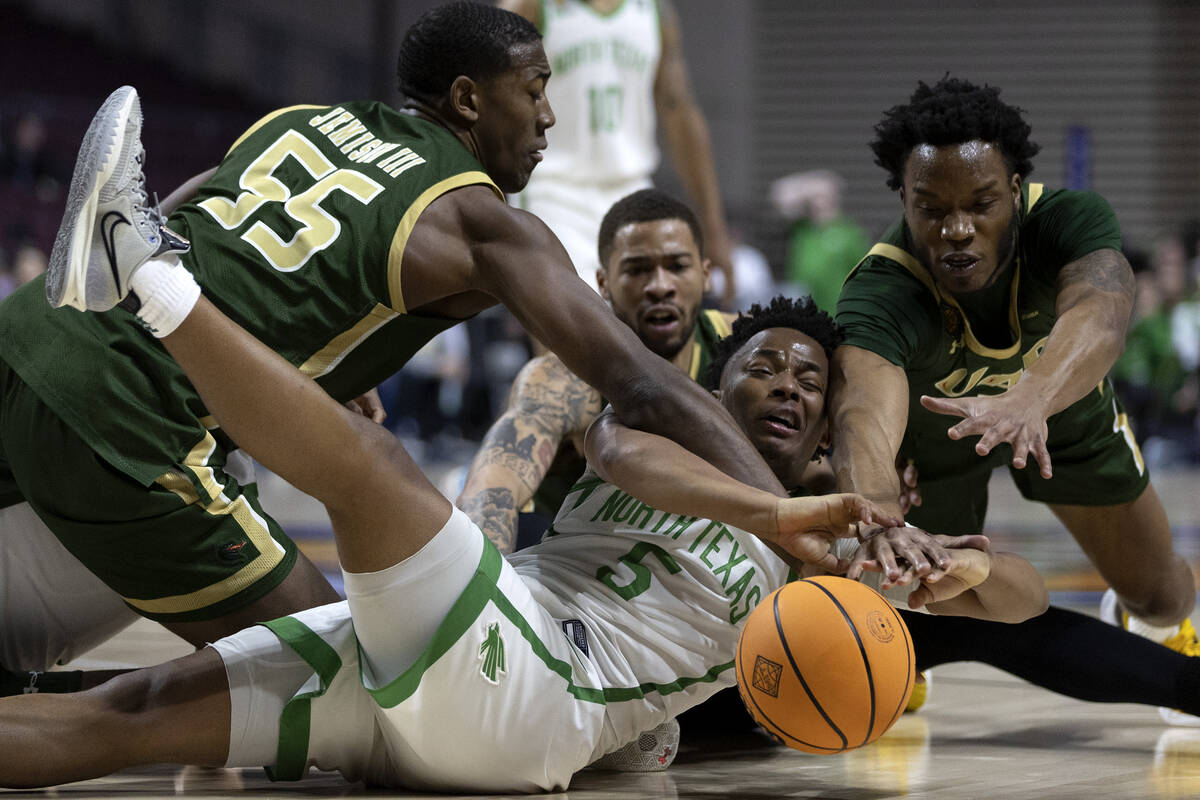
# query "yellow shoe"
(1184, 640)
(920, 692)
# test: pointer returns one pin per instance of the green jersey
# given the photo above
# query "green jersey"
(568, 465)
(299, 237)
(891, 306)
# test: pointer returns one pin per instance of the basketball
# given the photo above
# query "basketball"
(825, 664)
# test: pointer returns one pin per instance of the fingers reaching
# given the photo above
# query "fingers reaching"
(814, 548)
(863, 510)
(941, 405)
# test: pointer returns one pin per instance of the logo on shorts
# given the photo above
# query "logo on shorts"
(880, 627)
(766, 676)
(491, 653)
(575, 631)
(231, 552)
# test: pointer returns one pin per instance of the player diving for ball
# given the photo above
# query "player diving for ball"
(652, 580)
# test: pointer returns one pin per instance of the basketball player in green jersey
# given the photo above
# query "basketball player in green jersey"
(979, 332)
(345, 237)
(654, 276)
(620, 79)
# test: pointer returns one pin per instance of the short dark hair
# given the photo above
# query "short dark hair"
(644, 205)
(800, 314)
(952, 111)
(471, 39)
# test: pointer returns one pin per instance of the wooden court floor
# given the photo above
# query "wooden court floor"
(983, 734)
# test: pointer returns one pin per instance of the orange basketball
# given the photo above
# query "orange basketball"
(825, 664)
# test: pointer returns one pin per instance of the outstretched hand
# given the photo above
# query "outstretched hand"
(945, 566)
(806, 526)
(969, 566)
(995, 419)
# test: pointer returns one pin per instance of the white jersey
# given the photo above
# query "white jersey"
(661, 598)
(601, 88)
(622, 617)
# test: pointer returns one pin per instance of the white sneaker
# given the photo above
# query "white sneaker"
(1110, 609)
(652, 751)
(108, 230)
(1177, 718)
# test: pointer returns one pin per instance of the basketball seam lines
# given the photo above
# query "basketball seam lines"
(909, 677)
(862, 650)
(800, 677)
(762, 715)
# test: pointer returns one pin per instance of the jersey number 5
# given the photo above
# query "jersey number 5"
(641, 573)
(318, 228)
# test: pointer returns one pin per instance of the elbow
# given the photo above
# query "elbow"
(646, 404)
(606, 448)
(1031, 605)
(609, 456)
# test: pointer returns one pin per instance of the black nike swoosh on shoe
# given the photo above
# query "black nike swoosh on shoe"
(108, 230)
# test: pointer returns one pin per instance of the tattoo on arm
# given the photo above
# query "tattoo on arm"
(556, 401)
(548, 405)
(495, 512)
(1105, 270)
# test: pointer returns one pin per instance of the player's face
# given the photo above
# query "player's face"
(513, 117)
(774, 386)
(655, 280)
(960, 203)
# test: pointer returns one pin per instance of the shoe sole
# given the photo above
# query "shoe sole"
(67, 270)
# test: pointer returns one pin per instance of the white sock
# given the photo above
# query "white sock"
(168, 293)
(1152, 632)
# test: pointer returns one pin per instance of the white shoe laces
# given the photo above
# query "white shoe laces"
(138, 190)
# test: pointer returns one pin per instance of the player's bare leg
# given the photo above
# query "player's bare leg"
(176, 712)
(382, 507)
(1130, 545)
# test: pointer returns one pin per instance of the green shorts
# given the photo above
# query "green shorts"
(193, 546)
(1095, 457)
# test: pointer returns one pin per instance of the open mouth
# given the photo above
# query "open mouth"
(661, 317)
(783, 424)
(959, 262)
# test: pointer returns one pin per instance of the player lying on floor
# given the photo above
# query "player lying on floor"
(443, 701)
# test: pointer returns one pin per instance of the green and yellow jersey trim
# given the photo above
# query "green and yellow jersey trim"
(721, 326)
(202, 488)
(918, 271)
(256, 126)
(329, 356)
(409, 221)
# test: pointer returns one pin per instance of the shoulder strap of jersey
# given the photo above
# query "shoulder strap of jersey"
(711, 327)
(905, 259)
(277, 112)
(409, 221)
(1033, 194)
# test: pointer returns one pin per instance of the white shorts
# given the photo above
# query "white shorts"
(573, 211)
(52, 608)
(499, 699)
